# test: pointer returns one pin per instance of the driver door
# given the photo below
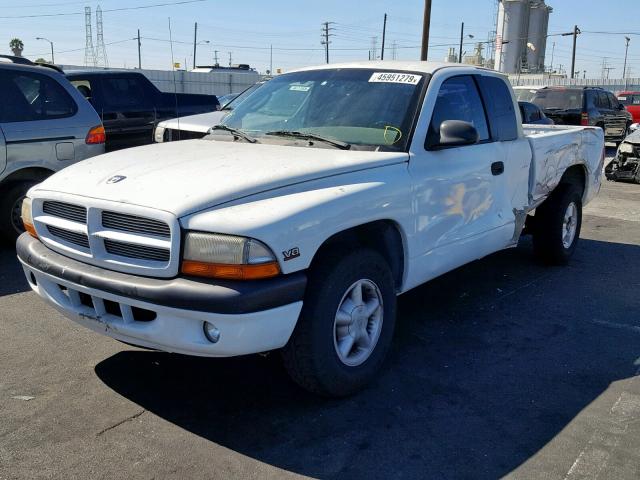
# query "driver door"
(457, 195)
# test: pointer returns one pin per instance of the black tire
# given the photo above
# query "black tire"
(548, 242)
(310, 356)
(10, 206)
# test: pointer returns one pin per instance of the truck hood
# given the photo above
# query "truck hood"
(192, 175)
(201, 122)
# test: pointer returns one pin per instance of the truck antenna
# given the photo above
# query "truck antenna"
(173, 69)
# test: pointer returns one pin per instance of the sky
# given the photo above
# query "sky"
(249, 28)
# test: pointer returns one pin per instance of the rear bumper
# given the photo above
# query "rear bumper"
(107, 302)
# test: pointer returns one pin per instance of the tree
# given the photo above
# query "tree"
(16, 46)
(41, 60)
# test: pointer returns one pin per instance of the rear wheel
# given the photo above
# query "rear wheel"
(11, 210)
(346, 325)
(557, 225)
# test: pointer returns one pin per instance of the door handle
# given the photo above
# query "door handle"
(497, 168)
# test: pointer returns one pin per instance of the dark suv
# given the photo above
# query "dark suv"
(588, 106)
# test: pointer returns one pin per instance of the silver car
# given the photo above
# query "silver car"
(45, 125)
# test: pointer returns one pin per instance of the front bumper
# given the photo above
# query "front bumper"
(166, 314)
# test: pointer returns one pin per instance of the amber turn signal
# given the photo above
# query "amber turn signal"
(27, 218)
(231, 272)
(30, 229)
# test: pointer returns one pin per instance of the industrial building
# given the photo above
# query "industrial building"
(521, 36)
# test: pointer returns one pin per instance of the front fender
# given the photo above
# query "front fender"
(295, 221)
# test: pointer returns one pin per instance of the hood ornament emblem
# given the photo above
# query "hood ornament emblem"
(115, 179)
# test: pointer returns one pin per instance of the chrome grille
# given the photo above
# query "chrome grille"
(68, 211)
(134, 224)
(131, 250)
(142, 241)
(69, 236)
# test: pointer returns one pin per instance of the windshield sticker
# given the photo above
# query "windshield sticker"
(622, 99)
(390, 77)
(299, 88)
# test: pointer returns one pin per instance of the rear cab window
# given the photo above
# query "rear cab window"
(500, 108)
(30, 96)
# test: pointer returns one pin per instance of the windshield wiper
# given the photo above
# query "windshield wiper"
(310, 136)
(235, 132)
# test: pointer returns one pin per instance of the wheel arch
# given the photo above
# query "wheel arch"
(384, 236)
(27, 174)
(576, 175)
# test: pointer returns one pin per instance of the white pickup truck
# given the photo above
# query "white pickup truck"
(296, 223)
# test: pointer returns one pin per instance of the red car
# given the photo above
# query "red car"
(631, 101)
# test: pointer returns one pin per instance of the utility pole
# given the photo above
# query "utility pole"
(139, 54)
(553, 51)
(384, 34)
(626, 51)
(271, 60)
(461, 39)
(215, 58)
(195, 43)
(426, 23)
(576, 32)
(325, 39)
(230, 61)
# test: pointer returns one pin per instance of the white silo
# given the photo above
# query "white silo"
(512, 33)
(538, 28)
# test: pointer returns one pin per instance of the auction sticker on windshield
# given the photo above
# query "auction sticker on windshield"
(391, 77)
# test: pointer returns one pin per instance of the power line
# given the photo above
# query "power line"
(141, 7)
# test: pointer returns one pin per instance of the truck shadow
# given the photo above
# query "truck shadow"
(490, 362)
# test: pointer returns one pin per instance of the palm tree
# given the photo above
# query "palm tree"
(16, 46)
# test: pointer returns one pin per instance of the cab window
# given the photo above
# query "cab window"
(458, 99)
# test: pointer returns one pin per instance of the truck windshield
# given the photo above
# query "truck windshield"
(558, 99)
(359, 107)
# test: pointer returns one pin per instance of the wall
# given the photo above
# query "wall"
(613, 84)
(216, 83)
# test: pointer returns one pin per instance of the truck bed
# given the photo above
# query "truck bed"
(557, 147)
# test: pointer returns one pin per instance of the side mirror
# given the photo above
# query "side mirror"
(457, 133)
(621, 106)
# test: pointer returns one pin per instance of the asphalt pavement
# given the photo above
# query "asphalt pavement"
(503, 367)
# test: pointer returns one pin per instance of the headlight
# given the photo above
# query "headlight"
(625, 148)
(27, 217)
(158, 135)
(227, 256)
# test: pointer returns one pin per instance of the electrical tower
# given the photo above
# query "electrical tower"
(101, 50)
(89, 51)
(394, 50)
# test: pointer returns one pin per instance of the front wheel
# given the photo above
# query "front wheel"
(346, 325)
(11, 210)
(557, 225)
